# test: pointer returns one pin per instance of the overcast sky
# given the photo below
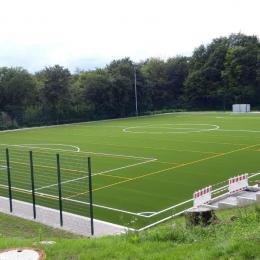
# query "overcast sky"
(90, 33)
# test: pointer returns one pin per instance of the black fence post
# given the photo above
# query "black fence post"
(90, 196)
(59, 188)
(9, 179)
(32, 181)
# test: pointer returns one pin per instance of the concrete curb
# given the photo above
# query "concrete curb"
(71, 222)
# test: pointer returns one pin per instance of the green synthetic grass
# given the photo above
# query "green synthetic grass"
(192, 150)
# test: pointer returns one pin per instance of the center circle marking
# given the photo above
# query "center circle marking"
(172, 128)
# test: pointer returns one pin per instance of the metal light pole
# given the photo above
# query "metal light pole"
(136, 101)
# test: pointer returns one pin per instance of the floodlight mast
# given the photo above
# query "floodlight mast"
(136, 100)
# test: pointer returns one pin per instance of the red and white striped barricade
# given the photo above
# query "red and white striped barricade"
(202, 196)
(238, 183)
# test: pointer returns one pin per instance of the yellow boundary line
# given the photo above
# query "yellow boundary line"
(162, 162)
(257, 150)
(114, 176)
(167, 169)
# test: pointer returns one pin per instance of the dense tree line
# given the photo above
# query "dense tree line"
(224, 72)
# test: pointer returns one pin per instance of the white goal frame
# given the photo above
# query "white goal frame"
(241, 108)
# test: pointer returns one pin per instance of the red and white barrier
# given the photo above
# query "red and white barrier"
(202, 196)
(238, 183)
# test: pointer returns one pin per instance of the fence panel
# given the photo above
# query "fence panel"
(42, 177)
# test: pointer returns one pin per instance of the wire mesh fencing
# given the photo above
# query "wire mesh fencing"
(59, 181)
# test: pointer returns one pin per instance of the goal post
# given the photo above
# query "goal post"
(241, 108)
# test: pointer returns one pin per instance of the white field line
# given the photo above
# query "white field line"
(77, 149)
(146, 213)
(161, 221)
(218, 190)
(148, 160)
(72, 200)
(15, 188)
(105, 207)
(142, 214)
(184, 202)
(87, 203)
(170, 208)
(74, 215)
(95, 174)
(181, 212)
(85, 152)
(120, 155)
(105, 120)
(240, 130)
(167, 126)
(253, 175)
(129, 212)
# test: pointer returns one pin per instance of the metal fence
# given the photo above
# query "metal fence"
(61, 181)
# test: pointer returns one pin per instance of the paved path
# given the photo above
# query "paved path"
(73, 223)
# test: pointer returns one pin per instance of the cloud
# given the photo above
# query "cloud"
(34, 34)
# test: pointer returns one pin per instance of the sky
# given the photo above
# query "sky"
(85, 34)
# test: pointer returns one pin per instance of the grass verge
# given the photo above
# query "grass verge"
(237, 236)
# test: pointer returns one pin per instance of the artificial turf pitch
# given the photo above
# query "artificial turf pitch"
(140, 166)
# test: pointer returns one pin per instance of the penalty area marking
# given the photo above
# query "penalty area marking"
(172, 129)
(98, 173)
(39, 146)
(76, 151)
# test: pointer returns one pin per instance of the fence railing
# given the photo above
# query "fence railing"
(48, 179)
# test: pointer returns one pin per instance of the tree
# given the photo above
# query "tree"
(154, 71)
(204, 87)
(177, 70)
(17, 91)
(122, 97)
(55, 91)
(96, 94)
(240, 69)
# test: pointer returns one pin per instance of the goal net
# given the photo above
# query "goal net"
(241, 108)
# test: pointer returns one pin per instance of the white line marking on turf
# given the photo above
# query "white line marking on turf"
(87, 203)
(240, 130)
(128, 212)
(171, 126)
(146, 213)
(72, 200)
(76, 148)
(14, 188)
(172, 207)
(147, 160)
(96, 174)
(120, 155)
(161, 221)
(85, 152)
(177, 114)
(105, 207)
